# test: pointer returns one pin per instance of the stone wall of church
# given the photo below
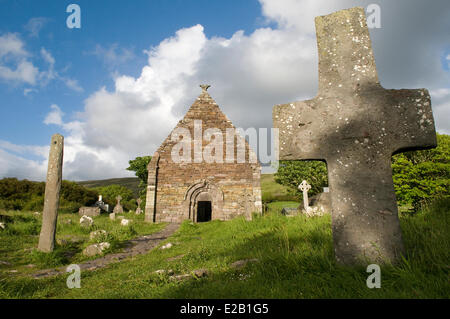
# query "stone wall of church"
(234, 187)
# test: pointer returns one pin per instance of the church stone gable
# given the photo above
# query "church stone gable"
(179, 189)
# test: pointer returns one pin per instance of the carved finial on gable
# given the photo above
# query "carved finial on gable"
(205, 87)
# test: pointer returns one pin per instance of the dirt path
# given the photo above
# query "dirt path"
(138, 246)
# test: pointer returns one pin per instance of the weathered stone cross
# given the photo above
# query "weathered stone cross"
(119, 198)
(356, 125)
(305, 187)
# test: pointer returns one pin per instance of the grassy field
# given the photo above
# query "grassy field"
(272, 191)
(20, 238)
(294, 260)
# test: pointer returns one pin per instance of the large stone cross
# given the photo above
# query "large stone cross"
(356, 125)
(118, 198)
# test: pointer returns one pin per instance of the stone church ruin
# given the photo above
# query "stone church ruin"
(197, 188)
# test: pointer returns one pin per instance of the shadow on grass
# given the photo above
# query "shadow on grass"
(296, 260)
(287, 262)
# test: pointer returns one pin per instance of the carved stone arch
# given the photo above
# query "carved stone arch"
(203, 191)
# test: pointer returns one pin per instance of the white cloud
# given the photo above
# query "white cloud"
(35, 25)
(10, 44)
(51, 74)
(113, 56)
(299, 14)
(25, 72)
(441, 109)
(72, 84)
(15, 66)
(17, 166)
(55, 116)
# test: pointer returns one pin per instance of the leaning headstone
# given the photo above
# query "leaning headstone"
(112, 216)
(289, 211)
(355, 125)
(52, 190)
(138, 210)
(96, 249)
(118, 209)
(86, 221)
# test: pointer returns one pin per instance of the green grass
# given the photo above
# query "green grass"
(20, 238)
(295, 260)
(271, 191)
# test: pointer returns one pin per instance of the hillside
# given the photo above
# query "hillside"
(270, 189)
(131, 183)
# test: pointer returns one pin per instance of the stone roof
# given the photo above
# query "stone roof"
(207, 110)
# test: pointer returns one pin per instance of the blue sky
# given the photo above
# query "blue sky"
(135, 26)
(117, 86)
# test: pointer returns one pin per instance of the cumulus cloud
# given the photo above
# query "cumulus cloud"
(12, 52)
(55, 116)
(17, 166)
(25, 72)
(249, 74)
(16, 67)
(11, 44)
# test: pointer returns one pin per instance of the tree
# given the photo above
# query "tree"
(111, 192)
(139, 167)
(420, 176)
(292, 173)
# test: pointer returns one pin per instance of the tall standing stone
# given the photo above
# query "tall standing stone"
(52, 191)
(150, 203)
(356, 125)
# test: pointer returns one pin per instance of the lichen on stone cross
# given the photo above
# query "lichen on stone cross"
(119, 198)
(356, 125)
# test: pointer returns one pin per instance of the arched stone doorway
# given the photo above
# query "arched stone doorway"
(203, 201)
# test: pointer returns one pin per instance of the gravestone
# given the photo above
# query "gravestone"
(305, 187)
(289, 211)
(89, 211)
(356, 125)
(52, 191)
(138, 210)
(118, 209)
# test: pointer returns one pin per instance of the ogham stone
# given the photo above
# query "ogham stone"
(52, 191)
(356, 125)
